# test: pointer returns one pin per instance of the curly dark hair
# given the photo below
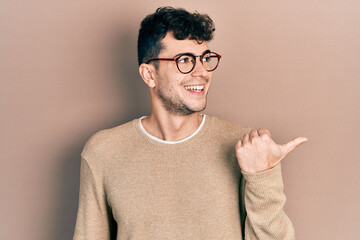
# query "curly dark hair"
(179, 22)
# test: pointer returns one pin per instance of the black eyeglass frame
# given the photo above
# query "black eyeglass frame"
(177, 57)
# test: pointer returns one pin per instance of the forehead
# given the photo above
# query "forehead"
(172, 46)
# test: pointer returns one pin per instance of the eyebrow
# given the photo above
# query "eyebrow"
(189, 53)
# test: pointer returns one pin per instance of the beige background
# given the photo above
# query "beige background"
(68, 69)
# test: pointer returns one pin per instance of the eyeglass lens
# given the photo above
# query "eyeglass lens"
(186, 62)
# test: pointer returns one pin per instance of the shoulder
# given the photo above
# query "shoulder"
(228, 128)
(103, 141)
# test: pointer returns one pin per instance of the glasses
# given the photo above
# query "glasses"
(186, 62)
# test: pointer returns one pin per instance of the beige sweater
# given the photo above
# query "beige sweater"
(136, 187)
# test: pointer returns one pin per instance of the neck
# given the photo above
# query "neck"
(170, 127)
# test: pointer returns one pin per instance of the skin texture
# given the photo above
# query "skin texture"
(176, 104)
(175, 109)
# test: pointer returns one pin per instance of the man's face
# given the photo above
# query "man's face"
(182, 93)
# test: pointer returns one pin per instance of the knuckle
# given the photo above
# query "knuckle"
(254, 140)
(245, 136)
(263, 131)
(247, 145)
(264, 137)
(253, 131)
(239, 150)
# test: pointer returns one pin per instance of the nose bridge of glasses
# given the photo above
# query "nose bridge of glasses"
(199, 67)
(200, 60)
(198, 56)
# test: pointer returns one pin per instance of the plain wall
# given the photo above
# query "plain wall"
(68, 69)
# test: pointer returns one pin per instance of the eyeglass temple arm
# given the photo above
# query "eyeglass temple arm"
(161, 59)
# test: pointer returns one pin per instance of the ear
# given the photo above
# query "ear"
(147, 73)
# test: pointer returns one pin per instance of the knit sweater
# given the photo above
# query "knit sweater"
(133, 186)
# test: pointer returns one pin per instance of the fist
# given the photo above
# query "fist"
(257, 152)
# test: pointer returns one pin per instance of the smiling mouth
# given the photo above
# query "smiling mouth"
(195, 88)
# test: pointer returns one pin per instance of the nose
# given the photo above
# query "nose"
(199, 70)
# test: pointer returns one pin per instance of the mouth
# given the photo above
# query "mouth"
(195, 89)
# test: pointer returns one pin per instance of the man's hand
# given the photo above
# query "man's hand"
(257, 152)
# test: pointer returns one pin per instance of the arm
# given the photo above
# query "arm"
(94, 217)
(264, 201)
(262, 186)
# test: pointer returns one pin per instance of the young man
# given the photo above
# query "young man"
(179, 174)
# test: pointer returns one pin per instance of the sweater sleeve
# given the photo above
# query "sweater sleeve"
(264, 203)
(94, 217)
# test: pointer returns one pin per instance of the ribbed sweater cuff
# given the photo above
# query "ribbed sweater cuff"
(263, 176)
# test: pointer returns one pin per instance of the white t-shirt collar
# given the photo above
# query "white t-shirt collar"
(171, 142)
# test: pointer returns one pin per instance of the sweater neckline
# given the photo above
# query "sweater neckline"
(157, 141)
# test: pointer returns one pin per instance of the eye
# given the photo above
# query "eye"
(184, 59)
(206, 58)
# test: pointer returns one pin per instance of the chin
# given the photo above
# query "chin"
(198, 108)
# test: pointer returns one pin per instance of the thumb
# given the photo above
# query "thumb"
(291, 145)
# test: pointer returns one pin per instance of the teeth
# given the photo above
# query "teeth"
(195, 87)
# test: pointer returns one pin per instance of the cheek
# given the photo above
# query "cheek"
(172, 83)
(210, 76)
(166, 87)
(169, 86)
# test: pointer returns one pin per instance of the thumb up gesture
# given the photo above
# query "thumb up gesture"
(257, 152)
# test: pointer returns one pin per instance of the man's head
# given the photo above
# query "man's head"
(179, 22)
(175, 61)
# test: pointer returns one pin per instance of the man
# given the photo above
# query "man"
(179, 174)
